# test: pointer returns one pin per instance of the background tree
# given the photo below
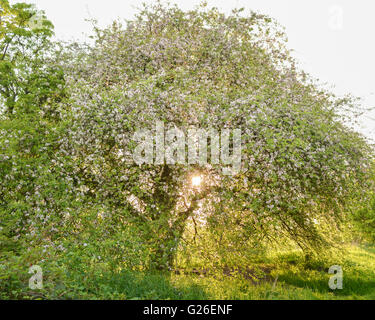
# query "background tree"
(31, 84)
(27, 79)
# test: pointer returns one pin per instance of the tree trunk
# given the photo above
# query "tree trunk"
(165, 251)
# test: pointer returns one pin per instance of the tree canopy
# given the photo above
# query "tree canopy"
(301, 165)
(27, 80)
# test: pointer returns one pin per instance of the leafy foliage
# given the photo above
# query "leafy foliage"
(364, 220)
(27, 79)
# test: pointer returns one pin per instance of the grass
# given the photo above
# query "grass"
(292, 278)
(288, 276)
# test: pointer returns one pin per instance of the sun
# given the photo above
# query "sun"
(196, 181)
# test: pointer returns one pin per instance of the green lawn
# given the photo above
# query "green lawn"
(283, 276)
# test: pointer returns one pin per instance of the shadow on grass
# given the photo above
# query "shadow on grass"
(358, 276)
(144, 286)
(352, 286)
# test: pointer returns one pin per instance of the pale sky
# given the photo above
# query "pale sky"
(333, 39)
